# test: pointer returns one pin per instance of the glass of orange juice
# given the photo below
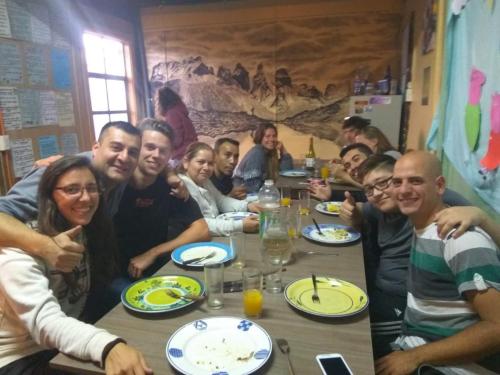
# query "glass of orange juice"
(286, 197)
(304, 202)
(252, 292)
(325, 171)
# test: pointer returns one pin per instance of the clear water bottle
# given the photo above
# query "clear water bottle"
(269, 200)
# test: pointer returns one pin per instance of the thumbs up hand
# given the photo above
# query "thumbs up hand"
(63, 251)
(350, 212)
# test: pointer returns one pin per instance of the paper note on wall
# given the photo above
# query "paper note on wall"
(69, 144)
(29, 102)
(36, 66)
(48, 108)
(61, 68)
(9, 104)
(4, 20)
(65, 111)
(11, 72)
(40, 23)
(48, 146)
(20, 20)
(22, 156)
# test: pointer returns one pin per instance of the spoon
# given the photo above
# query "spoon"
(285, 349)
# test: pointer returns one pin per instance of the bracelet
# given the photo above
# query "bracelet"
(108, 347)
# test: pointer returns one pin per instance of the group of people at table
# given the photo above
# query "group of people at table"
(76, 231)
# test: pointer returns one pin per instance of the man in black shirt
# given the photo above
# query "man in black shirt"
(151, 222)
(227, 154)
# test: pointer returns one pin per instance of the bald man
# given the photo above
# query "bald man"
(452, 318)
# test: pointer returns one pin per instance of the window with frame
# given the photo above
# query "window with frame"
(107, 79)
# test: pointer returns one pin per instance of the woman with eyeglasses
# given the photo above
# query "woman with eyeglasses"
(40, 307)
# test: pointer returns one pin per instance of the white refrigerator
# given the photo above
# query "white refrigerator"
(384, 111)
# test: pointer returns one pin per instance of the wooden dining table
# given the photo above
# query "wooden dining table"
(301, 183)
(307, 335)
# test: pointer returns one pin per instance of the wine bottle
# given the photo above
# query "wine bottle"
(310, 156)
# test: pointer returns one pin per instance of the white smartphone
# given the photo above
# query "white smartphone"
(333, 364)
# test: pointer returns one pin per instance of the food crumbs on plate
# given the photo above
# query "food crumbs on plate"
(246, 358)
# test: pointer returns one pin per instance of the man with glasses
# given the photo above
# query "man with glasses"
(387, 250)
(114, 155)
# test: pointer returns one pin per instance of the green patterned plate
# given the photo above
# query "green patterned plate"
(338, 298)
(150, 295)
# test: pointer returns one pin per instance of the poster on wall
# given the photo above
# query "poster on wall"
(10, 108)
(61, 68)
(11, 69)
(65, 111)
(429, 29)
(20, 19)
(48, 146)
(22, 156)
(4, 20)
(69, 144)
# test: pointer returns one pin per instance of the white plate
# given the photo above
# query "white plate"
(323, 208)
(293, 173)
(219, 345)
(223, 253)
(328, 230)
(236, 215)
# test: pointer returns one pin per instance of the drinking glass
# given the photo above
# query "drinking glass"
(238, 245)
(252, 292)
(286, 197)
(304, 202)
(214, 282)
(276, 243)
(325, 172)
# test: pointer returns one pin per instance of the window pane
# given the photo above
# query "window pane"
(98, 97)
(99, 122)
(119, 117)
(94, 53)
(114, 59)
(117, 95)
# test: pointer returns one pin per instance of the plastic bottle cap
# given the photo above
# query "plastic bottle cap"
(268, 182)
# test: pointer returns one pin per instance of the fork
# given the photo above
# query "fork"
(188, 297)
(199, 259)
(285, 349)
(315, 297)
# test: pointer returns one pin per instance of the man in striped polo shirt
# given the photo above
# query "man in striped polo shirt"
(452, 319)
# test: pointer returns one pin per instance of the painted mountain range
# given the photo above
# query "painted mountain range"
(222, 98)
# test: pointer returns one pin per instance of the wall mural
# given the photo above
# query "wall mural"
(296, 73)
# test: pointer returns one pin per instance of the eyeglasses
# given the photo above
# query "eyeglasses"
(77, 190)
(379, 185)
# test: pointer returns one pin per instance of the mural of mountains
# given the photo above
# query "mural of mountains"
(234, 98)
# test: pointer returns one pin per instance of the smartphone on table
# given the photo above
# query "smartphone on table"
(333, 364)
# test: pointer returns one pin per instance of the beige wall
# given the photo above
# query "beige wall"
(338, 37)
(420, 119)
